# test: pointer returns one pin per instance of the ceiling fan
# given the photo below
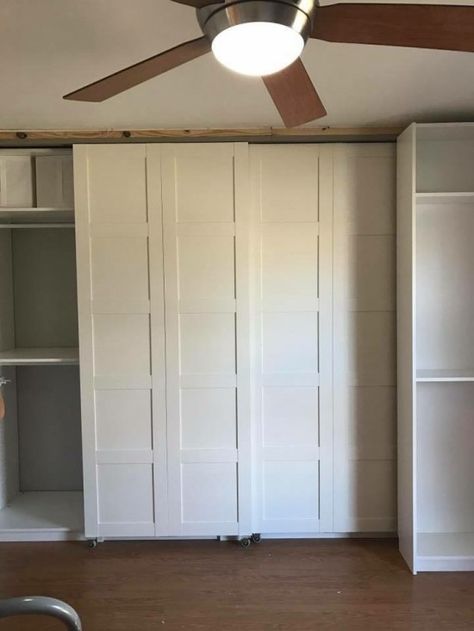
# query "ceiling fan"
(266, 37)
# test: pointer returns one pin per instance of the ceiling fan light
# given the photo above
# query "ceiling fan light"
(257, 48)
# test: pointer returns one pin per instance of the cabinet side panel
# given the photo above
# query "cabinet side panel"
(9, 482)
(406, 346)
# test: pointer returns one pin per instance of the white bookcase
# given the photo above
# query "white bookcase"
(40, 436)
(436, 346)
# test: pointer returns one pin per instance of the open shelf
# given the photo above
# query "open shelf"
(444, 198)
(43, 515)
(445, 551)
(437, 376)
(36, 217)
(39, 356)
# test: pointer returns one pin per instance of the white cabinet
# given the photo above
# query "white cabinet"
(118, 229)
(210, 336)
(436, 348)
(291, 228)
(162, 241)
(207, 344)
(40, 436)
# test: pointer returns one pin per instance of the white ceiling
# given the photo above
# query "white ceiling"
(51, 47)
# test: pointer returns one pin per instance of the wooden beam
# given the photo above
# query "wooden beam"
(26, 137)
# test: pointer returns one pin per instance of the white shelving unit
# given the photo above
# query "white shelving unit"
(40, 439)
(436, 346)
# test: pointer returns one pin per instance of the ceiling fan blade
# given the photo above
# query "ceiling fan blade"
(294, 95)
(442, 27)
(198, 4)
(138, 73)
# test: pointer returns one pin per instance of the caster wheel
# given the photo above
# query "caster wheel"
(245, 543)
(92, 544)
(256, 537)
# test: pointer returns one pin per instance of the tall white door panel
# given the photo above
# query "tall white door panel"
(365, 408)
(291, 307)
(206, 298)
(118, 223)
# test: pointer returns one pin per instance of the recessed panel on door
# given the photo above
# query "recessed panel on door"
(123, 419)
(117, 184)
(125, 499)
(122, 344)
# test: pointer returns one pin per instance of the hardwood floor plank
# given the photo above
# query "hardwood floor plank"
(300, 585)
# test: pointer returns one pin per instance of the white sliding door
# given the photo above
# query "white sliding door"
(121, 339)
(207, 342)
(365, 408)
(291, 379)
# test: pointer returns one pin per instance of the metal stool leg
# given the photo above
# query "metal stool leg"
(41, 605)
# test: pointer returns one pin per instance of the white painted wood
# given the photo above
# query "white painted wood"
(207, 346)
(287, 223)
(125, 491)
(40, 435)
(445, 552)
(49, 427)
(43, 516)
(444, 165)
(116, 184)
(435, 330)
(38, 217)
(445, 300)
(9, 471)
(445, 435)
(45, 296)
(54, 180)
(364, 338)
(158, 344)
(444, 198)
(16, 180)
(114, 411)
(406, 296)
(444, 375)
(118, 350)
(39, 356)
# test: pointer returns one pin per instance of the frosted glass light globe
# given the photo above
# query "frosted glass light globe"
(257, 48)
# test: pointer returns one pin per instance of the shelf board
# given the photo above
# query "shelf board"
(23, 217)
(444, 198)
(444, 375)
(39, 356)
(43, 515)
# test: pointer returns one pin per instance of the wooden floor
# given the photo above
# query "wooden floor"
(285, 585)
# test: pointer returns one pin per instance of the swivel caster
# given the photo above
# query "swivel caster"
(256, 537)
(92, 543)
(245, 542)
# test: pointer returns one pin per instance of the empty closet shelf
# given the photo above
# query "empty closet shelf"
(36, 216)
(445, 375)
(39, 356)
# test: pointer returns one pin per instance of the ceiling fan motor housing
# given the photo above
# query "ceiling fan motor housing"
(297, 15)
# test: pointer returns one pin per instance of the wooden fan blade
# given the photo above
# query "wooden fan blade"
(294, 95)
(198, 4)
(442, 27)
(142, 71)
